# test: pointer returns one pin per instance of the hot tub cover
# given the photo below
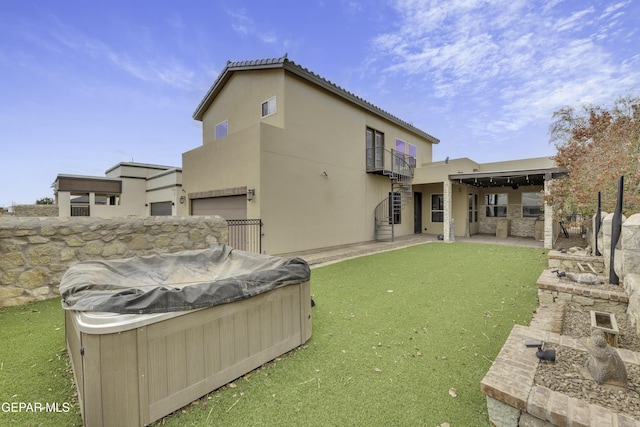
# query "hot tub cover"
(176, 282)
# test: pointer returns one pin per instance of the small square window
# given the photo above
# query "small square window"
(222, 129)
(269, 107)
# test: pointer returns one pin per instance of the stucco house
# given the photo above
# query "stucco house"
(322, 167)
(317, 166)
(128, 188)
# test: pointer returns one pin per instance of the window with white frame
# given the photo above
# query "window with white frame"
(269, 107)
(531, 205)
(437, 208)
(496, 205)
(222, 129)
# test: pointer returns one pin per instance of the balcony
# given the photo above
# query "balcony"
(392, 163)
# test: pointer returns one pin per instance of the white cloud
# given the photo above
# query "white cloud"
(240, 22)
(149, 66)
(515, 61)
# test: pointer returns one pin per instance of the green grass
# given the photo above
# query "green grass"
(392, 334)
(34, 367)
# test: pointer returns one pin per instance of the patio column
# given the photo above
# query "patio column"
(449, 225)
(63, 199)
(548, 220)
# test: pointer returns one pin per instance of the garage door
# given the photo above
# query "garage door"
(230, 207)
(161, 208)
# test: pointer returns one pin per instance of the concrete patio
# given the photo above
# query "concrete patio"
(324, 256)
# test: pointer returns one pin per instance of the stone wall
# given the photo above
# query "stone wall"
(519, 226)
(626, 260)
(36, 252)
(35, 210)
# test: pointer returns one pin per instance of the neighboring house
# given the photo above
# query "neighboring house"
(322, 167)
(127, 188)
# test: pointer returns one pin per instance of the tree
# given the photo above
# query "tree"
(45, 201)
(597, 145)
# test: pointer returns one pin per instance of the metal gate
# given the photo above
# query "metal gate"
(573, 225)
(245, 234)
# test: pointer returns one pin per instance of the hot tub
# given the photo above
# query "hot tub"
(144, 358)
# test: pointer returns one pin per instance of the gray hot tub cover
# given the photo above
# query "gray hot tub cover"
(176, 282)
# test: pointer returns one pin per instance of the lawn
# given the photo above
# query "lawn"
(399, 338)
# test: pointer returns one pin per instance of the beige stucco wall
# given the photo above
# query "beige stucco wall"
(325, 134)
(520, 164)
(240, 102)
(284, 157)
(427, 191)
(230, 162)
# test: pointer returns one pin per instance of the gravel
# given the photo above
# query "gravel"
(564, 375)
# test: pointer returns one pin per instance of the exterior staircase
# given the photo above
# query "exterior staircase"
(388, 211)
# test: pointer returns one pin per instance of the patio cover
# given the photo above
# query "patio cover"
(176, 282)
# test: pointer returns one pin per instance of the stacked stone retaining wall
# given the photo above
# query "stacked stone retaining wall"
(36, 252)
(35, 210)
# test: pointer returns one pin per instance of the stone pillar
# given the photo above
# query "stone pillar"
(606, 241)
(630, 247)
(593, 237)
(607, 224)
(548, 222)
(448, 220)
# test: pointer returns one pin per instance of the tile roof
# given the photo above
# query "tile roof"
(286, 64)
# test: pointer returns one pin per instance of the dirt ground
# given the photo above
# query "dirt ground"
(570, 242)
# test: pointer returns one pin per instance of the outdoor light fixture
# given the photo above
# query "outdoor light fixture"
(251, 193)
(183, 198)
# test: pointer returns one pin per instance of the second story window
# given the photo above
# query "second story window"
(222, 129)
(409, 152)
(413, 153)
(269, 107)
(375, 149)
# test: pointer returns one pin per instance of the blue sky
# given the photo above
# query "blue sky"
(85, 85)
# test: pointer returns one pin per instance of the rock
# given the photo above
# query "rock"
(586, 278)
(604, 364)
